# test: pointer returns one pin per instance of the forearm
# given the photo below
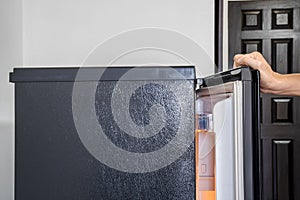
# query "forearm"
(287, 84)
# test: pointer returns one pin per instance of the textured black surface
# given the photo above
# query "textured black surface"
(140, 102)
(52, 163)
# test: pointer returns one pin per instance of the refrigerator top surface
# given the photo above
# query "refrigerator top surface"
(116, 73)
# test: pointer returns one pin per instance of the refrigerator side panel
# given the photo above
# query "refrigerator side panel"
(53, 163)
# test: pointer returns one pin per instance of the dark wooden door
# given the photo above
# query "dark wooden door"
(273, 28)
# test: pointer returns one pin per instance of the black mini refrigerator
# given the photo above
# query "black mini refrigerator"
(131, 133)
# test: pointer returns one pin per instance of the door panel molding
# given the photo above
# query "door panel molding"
(224, 61)
(250, 45)
(282, 110)
(282, 169)
(282, 18)
(252, 19)
(282, 55)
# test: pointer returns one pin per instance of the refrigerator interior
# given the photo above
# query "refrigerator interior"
(222, 102)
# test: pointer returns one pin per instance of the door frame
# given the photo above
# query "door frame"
(221, 33)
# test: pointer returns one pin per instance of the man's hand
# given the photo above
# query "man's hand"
(269, 79)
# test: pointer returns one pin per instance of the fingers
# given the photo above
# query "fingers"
(253, 55)
(235, 59)
(256, 55)
(237, 56)
(246, 60)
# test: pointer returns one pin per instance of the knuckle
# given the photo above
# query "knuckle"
(260, 64)
(256, 53)
(236, 57)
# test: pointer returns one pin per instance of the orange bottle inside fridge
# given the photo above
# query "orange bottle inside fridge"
(205, 157)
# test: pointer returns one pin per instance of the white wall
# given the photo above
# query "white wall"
(10, 54)
(63, 32)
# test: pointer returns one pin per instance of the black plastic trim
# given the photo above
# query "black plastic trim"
(236, 74)
(252, 135)
(257, 152)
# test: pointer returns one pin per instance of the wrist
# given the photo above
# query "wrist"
(283, 84)
(278, 85)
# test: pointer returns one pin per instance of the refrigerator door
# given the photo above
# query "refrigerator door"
(231, 99)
